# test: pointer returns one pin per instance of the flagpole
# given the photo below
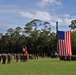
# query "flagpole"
(57, 34)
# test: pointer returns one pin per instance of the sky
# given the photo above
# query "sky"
(15, 13)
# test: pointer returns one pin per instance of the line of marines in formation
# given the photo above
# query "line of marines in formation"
(7, 58)
(19, 56)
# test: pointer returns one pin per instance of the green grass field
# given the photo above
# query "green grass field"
(42, 66)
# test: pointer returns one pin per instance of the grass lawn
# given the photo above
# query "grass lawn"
(42, 66)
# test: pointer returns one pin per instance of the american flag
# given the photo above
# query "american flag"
(64, 43)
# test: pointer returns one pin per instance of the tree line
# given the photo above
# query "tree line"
(36, 35)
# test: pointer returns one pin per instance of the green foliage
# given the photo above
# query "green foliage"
(73, 24)
(74, 42)
(36, 35)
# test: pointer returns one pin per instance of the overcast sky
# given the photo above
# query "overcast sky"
(14, 13)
